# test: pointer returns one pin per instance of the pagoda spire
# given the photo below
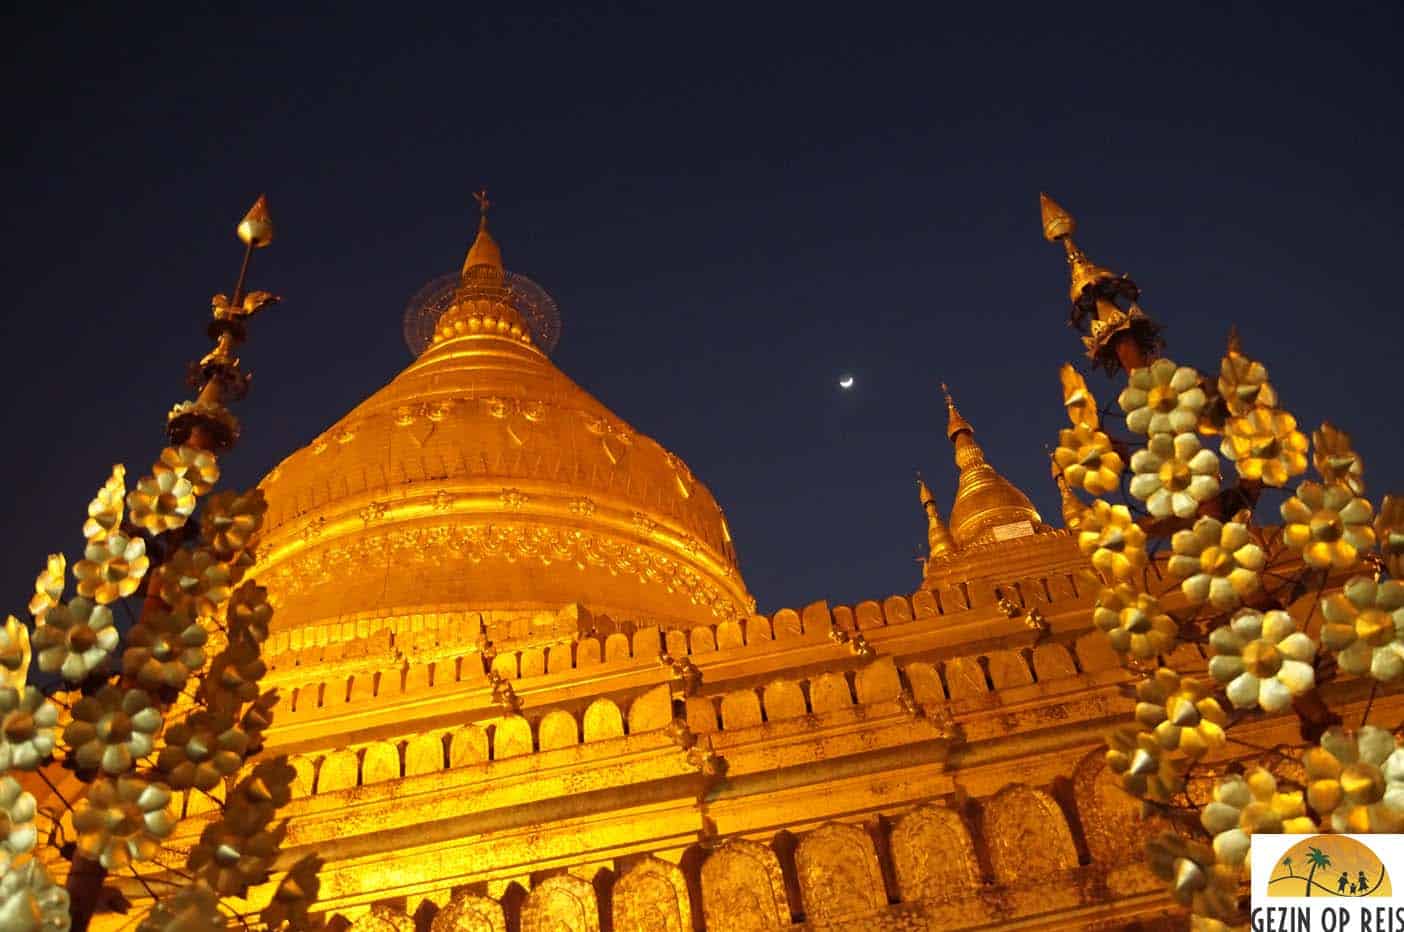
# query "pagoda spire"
(1116, 332)
(987, 506)
(484, 259)
(1072, 508)
(938, 539)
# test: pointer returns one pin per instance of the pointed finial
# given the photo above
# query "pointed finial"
(1116, 332)
(484, 252)
(484, 204)
(955, 423)
(924, 492)
(256, 229)
(938, 538)
(1057, 222)
(1235, 344)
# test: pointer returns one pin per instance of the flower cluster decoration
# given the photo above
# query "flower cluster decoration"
(123, 820)
(105, 510)
(1262, 659)
(165, 648)
(17, 811)
(162, 501)
(137, 712)
(48, 586)
(14, 652)
(1196, 878)
(112, 729)
(1219, 561)
(1088, 462)
(1266, 446)
(75, 639)
(1174, 475)
(1111, 537)
(1143, 766)
(1162, 398)
(1335, 458)
(29, 898)
(1134, 622)
(1357, 781)
(1244, 806)
(1328, 524)
(112, 568)
(1275, 613)
(27, 724)
(1180, 713)
(1364, 626)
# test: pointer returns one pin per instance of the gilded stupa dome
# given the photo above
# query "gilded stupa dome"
(987, 506)
(482, 479)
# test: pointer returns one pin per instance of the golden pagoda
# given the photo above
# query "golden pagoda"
(483, 482)
(524, 686)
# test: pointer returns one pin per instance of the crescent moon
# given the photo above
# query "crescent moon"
(846, 382)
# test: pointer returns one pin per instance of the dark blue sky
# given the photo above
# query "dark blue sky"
(732, 207)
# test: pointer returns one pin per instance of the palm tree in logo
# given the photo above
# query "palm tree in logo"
(1287, 863)
(1316, 858)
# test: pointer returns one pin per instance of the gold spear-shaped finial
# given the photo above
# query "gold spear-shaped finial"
(484, 257)
(256, 229)
(955, 421)
(1116, 332)
(1057, 222)
(938, 538)
(205, 422)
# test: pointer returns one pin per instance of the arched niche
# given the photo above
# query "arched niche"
(652, 895)
(838, 872)
(743, 889)
(561, 904)
(511, 737)
(933, 855)
(603, 721)
(557, 729)
(1027, 835)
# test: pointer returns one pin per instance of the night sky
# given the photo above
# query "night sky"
(732, 208)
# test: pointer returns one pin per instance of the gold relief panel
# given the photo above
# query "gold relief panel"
(561, 904)
(652, 896)
(517, 414)
(469, 913)
(743, 889)
(1027, 834)
(933, 855)
(839, 874)
(615, 438)
(434, 544)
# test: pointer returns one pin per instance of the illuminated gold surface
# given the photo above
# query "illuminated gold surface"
(984, 500)
(505, 485)
(523, 687)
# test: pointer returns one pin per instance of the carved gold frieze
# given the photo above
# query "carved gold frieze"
(615, 437)
(434, 544)
(517, 414)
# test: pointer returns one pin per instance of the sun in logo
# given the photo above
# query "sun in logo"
(1329, 865)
